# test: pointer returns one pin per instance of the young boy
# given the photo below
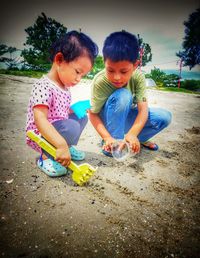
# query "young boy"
(119, 103)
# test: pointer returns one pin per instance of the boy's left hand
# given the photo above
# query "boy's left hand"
(133, 142)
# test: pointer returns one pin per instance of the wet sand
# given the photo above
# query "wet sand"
(145, 207)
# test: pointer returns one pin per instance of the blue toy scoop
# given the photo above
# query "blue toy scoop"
(80, 108)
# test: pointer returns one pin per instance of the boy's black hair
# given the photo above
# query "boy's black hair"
(121, 46)
(72, 45)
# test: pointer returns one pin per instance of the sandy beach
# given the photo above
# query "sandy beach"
(147, 206)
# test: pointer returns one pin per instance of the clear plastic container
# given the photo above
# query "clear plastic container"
(120, 150)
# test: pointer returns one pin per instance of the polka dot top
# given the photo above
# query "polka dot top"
(46, 92)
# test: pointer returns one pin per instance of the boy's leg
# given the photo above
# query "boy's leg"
(158, 119)
(115, 111)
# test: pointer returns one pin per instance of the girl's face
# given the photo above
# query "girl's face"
(119, 73)
(69, 74)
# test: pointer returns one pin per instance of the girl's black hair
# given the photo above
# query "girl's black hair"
(121, 46)
(72, 45)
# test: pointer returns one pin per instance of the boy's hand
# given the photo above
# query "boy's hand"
(133, 142)
(108, 143)
(63, 156)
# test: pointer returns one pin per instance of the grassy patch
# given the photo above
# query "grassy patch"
(33, 74)
(180, 90)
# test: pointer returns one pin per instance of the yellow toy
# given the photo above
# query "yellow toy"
(81, 174)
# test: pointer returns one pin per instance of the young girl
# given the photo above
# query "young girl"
(119, 102)
(49, 110)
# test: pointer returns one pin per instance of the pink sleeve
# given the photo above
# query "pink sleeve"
(41, 95)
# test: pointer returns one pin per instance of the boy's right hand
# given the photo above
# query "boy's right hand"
(108, 141)
(63, 156)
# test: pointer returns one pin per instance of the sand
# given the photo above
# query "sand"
(145, 207)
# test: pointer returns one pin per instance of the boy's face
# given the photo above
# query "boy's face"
(119, 73)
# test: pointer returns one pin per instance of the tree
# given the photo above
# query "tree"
(146, 51)
(162, 79)
(97, 67)
(40, 38)
(191, 44)
(3, 49)
(156, 74)
(6, 56)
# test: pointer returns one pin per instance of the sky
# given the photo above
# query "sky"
(159, 23)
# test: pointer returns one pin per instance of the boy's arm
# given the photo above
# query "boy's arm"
(99, 126)
(140, 120)
(132, 135)
(142, 104)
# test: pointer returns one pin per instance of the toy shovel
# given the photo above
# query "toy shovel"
(81, 174)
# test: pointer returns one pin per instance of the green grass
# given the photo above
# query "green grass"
(38, 74)
(33, 74)
(180, 90)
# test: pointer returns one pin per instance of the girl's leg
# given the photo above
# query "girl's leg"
(70, 129)
(158, 119)
(115, 112)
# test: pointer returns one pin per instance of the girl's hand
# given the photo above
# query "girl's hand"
(63, 156)
(108, 143)
(133, 142)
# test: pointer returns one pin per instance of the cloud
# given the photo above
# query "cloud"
(159, 23)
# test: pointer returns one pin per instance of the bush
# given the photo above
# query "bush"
(170, 80)
(159, 84)
(162, 79)
(28, 73)
(98, 66)
(191, 84)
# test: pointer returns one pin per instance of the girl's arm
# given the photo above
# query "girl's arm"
(48, 131)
